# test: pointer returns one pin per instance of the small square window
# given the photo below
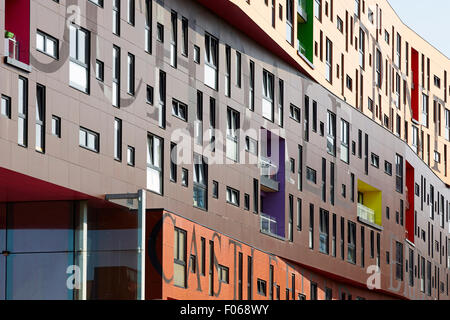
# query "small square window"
(131, 156)
(160, 32)
(196, 54)
(100, 70)
(150, 95)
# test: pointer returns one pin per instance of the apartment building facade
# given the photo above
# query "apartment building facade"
(261, 181)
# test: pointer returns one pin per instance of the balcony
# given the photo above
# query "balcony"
(366, 214)
(301, 11)
(12, 53)
(268, 225)
(269, 173)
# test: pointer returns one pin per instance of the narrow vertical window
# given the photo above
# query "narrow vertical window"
(79, 58)
(116, 17)
(238, 69)
(268, 96)
(116, 77)
(118, 139)
(22, 121)
(154, 164)
(131, 12)
(185, 37)
(162, 100)
(211, 61)
(281, 103)
(131, 74)
(148, 26)
(40, 118)
(174, 39)
(200, 182)
(251, 95)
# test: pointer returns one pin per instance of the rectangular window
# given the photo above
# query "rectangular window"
(89, 140)
(211, 61)
(173, 162)
(40, 118)
(233, 196)
(299, 214)
(116, 17)
(174, 39)
(251, 97)
(294, 113)
(22, 116)
(351, 243)
(131, 74)
(238, 69)
(179, 110)
(118, 139)
(179, 258)
(56, 126)
(184, 37)
(345, 141)
(131, 156)
(148, 26)
(116, 77)
(399, 261)
(79, 58)
(99, 70)
(228, 71)
(311, 226)
(131, 12)
(155, 164)
(200, 182)
(399, 173)
(268, 96)
(311, 175)
(6, 106)
(162, 99)
(329, 61)
(233, 126)
(331, 133)
(47, 44)
(324, 231)
(281, 103)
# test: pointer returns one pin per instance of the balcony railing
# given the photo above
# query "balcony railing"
(12, 48)
(269, 173)
(300, 48)
(268, 224)
(366, 213)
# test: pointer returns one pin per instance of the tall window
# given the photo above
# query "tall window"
(40, 118)
(399, 261)
(79, 58)
(362, 49)
(198, 125)
(251, 96)
(318, 9)
(154, 164)
(118, 139)
(415, 138)
(378, 68)
(345, 141)
(174, 40)
(116, 17)
(228, 71)
(324, 231)
(399, 173)
(331, 133)
(351, 254)
(148, 26)
(268, 96)
(184, 37)
(116, 77)
(211, 61)
(131, 12)
(399, 51)
(238, 69)
(329, 61)
(162, 99)
(179, 258)
(447, 124)
(425, 110)
(233, 126)
(131, 74)
(290, 21)
(281, 103)
(22, 120)
(200, 182)
(311, 226)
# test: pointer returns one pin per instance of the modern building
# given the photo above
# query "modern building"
(221, 149)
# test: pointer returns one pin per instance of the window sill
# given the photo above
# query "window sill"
(18, 64)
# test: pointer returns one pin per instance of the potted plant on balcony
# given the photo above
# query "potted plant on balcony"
(9, 35)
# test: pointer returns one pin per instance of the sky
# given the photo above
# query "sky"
(428, 18)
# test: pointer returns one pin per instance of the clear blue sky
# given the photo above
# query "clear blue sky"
(428, 18)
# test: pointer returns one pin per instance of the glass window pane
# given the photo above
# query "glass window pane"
(39, 42)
